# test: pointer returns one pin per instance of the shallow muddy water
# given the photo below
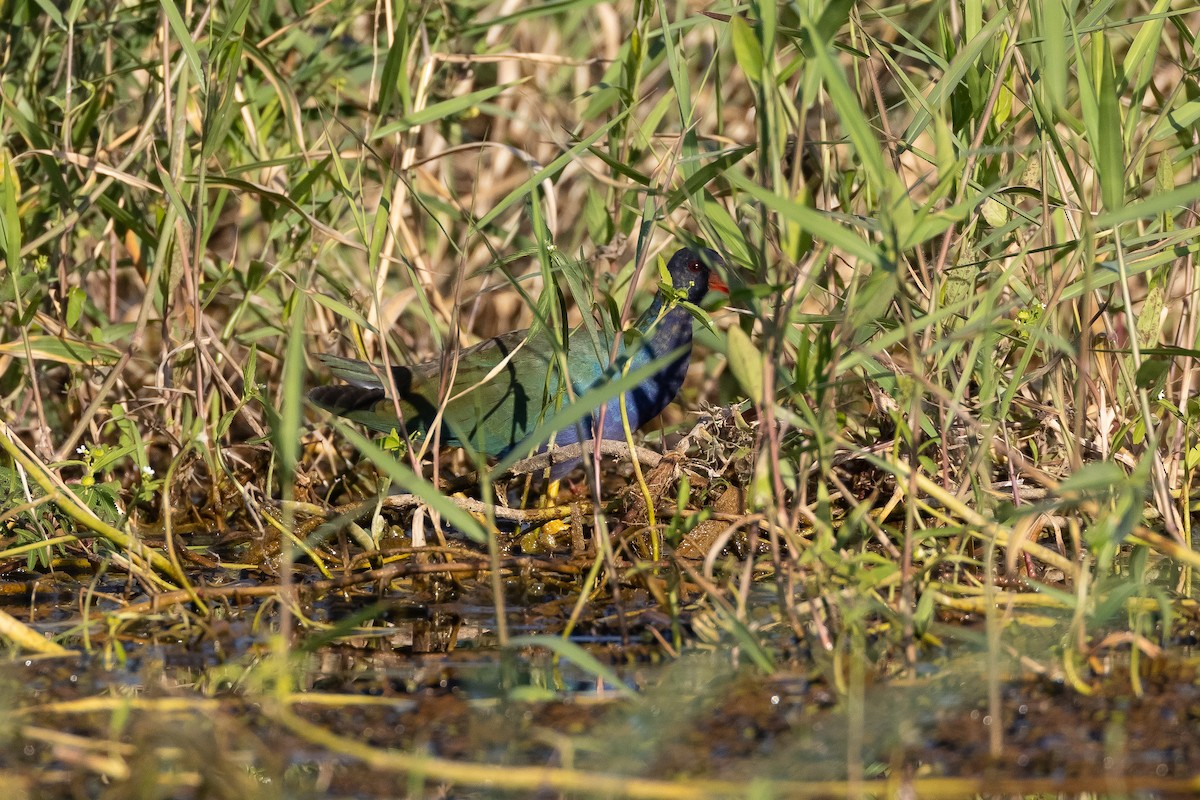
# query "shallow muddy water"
(172, 704)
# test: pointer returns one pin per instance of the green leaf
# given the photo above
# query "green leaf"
(706, 175)
(620, 168)
(445, 108)
(530, 11)
(1141, 57)
(1179, 120)
(1110, 147)
(964, 61)
(550, 169)
(872, 303)
(849, 108)
(394, 80)
(1153, 373)
(747, 641)
(51, 10)
(413, 483)
(184, 38)
(746, 363)
(746, 48)
(10, 220)
(595, 215)
(1053, 48)
(62, 350)
(250, 373)
(835, 14)
(291, 406)
(75, 299)
(1149, 321)
(1177, 200)
(819, 224)
(1164, 181)
(1098, 476)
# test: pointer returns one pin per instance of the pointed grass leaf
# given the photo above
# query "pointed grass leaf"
(749, 643)
(184, 38)
(955, 73)
(1053, 51)
(51, 11)
(835, 14)
(819, 224)
(620, 168)
(746, 48)
(551, 169)
(443, 109)
(291, 404)
(10, 219)
(846, 102)
(1098, 476)
(223, 107)
(648, 128)
(62, 350)
(1176, 200)
(394, 80)
(1178, 121)
(731, 237)
(1139, 62)
(706, 175)
(1110, 146)
(413, 483)
(746, 363)
(345, 625)
(526, 11)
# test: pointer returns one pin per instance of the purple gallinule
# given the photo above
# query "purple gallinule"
(504, 387)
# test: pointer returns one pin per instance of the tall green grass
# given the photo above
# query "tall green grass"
(961, 240)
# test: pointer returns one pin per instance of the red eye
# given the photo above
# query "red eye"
(694, 266)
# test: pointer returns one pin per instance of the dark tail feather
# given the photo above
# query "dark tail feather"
(345, 400)
(359, 373)
(362, 398)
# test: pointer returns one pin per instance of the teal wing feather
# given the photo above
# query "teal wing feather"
(503, 388)
(500, 390)
(588, 358)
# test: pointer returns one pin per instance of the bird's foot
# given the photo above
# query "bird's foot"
(553, 535)
(550, 537)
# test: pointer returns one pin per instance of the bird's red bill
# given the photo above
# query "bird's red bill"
(715, 284)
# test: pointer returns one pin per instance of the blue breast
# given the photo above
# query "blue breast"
(644, 403)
